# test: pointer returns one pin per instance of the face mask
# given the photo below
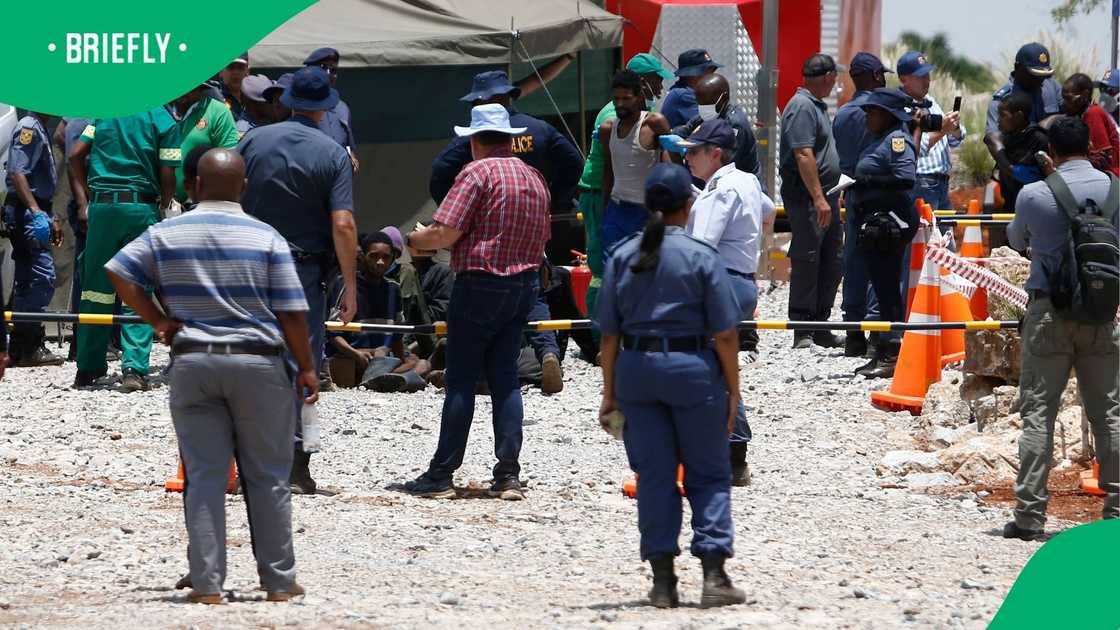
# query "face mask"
(708, 112)
(651, 100)
(651, 104)
(1108, 102)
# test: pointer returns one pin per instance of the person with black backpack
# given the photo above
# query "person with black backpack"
(1067, 225)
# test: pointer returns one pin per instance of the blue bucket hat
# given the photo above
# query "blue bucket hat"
(914, 63)
(487, 85)
(673, 178)
(694, 62)
(310, 90)
(893, 100)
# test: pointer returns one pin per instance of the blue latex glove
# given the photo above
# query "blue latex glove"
(1026, 173)
(38, 227)
(671, 143)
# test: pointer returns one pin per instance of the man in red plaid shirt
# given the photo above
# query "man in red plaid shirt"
(496, 220)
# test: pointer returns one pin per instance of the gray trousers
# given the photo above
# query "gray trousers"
(235, 405)
(816, 256)
(1051, 346)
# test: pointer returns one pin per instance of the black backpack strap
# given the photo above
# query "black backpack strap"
(1063, 195)
(1112, 203)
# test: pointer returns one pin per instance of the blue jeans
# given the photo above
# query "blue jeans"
(934, 190)
(621, 219)
(675, 404)
(746, 294)
(543, 342)
(859, 301)
(311, 277)
(485, 322)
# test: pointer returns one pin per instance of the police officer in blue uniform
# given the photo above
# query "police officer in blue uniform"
(540, 146)
(1032, 74)
(259, 95)
(885, 219)
(849, 128)
(32, 229)
(337, 122)
(680, 105)
(665, 296)
(301, 183)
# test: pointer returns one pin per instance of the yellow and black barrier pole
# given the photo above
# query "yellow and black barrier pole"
(556, 324)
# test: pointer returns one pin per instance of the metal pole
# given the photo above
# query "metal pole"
(582, 103)
(512, 40)
(1115, 28)
(768, 93)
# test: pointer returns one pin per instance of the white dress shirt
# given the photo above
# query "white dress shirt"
(728, 215)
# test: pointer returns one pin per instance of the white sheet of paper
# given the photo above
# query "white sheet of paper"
(844, 184)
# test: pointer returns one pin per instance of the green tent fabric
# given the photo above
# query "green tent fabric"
(379, 33)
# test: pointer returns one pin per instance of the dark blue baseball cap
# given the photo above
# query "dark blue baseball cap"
(716, 132)
(319, 55)
(1110, 80)
(913, 63)
(893, 100)
(1035, 58)
(487, 85)
(866, 63)
(695, 62)
(310, 90)
(673, 178)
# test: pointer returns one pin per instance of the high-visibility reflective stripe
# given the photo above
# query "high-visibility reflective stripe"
(170, 154)
(99, 298)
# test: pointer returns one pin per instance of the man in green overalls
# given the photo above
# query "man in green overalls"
(203, 120)
(130, 179)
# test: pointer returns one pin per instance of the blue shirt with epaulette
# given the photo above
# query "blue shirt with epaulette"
(1047, 102)
(687, 294)
(30, 155)
(337, 124)
(849, 131)
(891, 153)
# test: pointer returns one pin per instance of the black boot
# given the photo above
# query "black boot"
(886, 357)
(718, 590)
(300, 479)
(855, 344)
(664, 591)
(872, 345)
(740, 472)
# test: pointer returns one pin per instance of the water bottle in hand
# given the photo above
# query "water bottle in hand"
(310, 417)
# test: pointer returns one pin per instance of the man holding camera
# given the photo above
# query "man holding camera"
(935, 132)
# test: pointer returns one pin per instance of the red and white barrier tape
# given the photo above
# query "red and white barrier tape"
(978, 275)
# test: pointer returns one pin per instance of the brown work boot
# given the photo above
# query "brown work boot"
(300, 478)
(295, 590)
(133, 381)
(718, 590)
(552, 377)
(40, 357)
(194, 597)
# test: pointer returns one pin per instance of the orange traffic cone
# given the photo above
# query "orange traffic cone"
(954, 308)
(917, 254)
(630, 486)
(919, 361)
(972, 246)
(176, 483)
(1091, 480)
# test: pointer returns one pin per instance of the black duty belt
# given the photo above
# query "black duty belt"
(664, 344)
(125, 196)
(259, 349)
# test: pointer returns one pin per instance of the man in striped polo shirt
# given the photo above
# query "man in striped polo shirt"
(934, 160)
(233, 298)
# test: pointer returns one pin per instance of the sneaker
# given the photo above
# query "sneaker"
(429, 487)
(825, 339)
(435, 379)
(40, 357)
(85, 380)
(802, 342)
(552, 377)
(508, 489)
(133, 381)
(386, 383)
(750, 356)
(1011, 530)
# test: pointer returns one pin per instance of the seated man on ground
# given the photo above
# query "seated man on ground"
(372, 359)
(425, 292)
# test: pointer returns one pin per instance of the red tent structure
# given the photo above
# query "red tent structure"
(799, 31)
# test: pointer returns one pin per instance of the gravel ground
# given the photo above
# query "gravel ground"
(90, 539)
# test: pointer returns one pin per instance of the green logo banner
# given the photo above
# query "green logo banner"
(99, 60)
(1072, 581)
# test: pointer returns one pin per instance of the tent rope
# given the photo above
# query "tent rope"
(544, 85)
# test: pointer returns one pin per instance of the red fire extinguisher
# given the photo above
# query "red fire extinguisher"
(581, 280)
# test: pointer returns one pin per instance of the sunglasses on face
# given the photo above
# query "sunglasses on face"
(329, 68)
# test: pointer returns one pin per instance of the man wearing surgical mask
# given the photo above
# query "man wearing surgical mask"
(1110, 87)
(713, 98)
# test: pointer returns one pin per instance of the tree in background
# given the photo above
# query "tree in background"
(976, 77)
(1068, 8)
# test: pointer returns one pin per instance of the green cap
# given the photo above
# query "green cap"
(645, 63)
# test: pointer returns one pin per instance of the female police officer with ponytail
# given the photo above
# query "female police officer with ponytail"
(664, 296)
(880, 203)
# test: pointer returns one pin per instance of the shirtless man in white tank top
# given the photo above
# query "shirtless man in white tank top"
(631, 149)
